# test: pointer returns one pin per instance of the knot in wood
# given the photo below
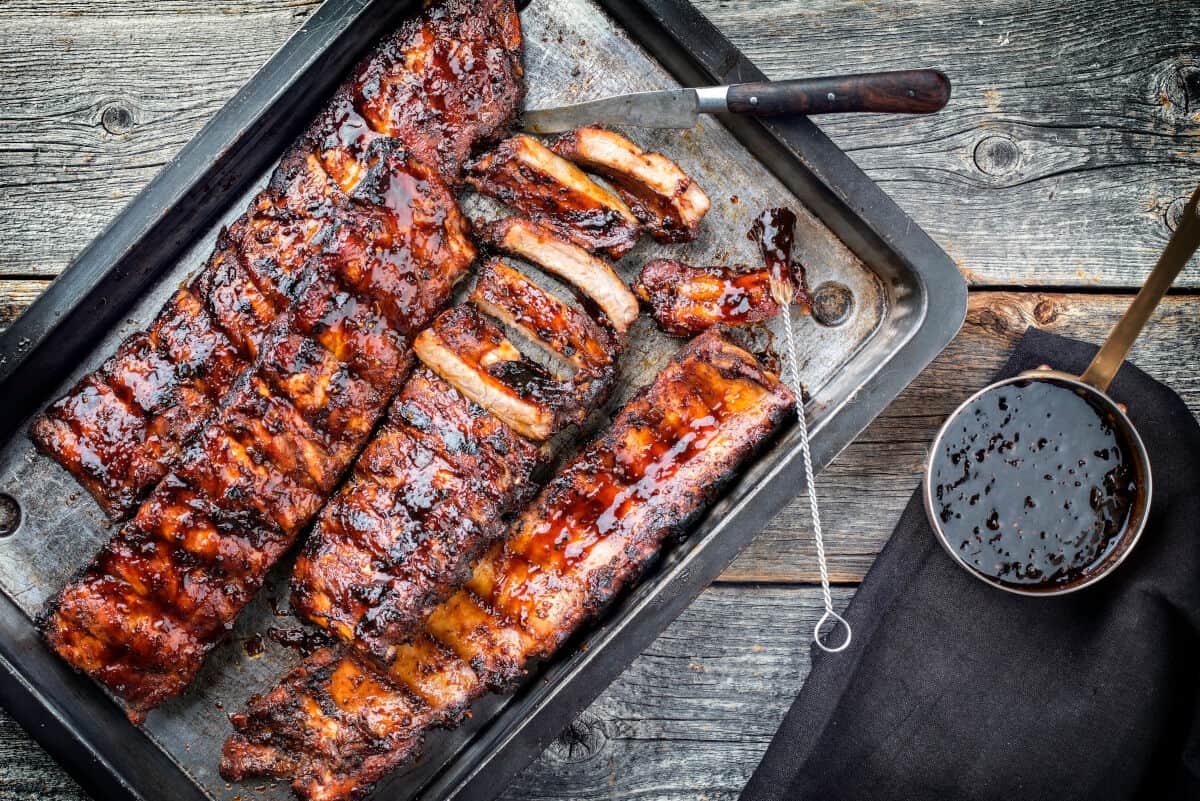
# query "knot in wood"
(1174, 213)
(116, 118)
(1045, 312)
(1179, 90)
(997, 155)
(581, 741)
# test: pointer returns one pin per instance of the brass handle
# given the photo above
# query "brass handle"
(1179, 249)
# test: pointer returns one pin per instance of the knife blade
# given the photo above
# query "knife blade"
(898, 92)
(668, 108)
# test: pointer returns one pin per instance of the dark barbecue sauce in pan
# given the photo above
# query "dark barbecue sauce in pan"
(1033, 485)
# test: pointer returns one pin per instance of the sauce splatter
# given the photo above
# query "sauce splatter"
(254, 646)
(306, 642)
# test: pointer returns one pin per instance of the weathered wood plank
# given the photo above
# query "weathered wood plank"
(16, 295)
(96, 97)
(1070, 134)
(884, 463)
(1071, 131)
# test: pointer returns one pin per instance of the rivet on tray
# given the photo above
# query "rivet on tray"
(832, 303)
(10, 515)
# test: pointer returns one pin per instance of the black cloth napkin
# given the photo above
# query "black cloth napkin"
(955, 690)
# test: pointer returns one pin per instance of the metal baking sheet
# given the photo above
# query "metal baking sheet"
(908, 302)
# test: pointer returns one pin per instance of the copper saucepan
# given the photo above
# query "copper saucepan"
(1092, 387)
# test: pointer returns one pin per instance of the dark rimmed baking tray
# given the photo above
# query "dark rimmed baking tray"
(924, 295)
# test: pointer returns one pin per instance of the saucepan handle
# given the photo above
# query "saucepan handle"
(1182, 245)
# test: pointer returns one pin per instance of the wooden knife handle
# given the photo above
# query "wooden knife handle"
(900, 92)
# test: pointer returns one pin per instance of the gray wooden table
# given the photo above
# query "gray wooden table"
(1052, 180)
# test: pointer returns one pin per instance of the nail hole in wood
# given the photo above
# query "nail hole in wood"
(832, 303)
(116, 119)
(997, 155)
(10, 515)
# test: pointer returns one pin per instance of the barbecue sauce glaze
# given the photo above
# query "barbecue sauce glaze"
(1033, 485)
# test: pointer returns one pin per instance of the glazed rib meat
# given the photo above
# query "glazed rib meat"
(355, 245)
(443, 83)
(595, 278)
(430, 491)
(427, 495)
(335, 724)
(669, 204)
(472, 353)
(161, 594)
(525, 175)
(505, 294)
(686, 300)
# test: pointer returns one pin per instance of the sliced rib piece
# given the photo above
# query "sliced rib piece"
(504, 293)
(335, 725)
(663, 197)
(426, 497)
(525, 175)
(686, 300)
(446, 81)
(473, 355)
(594, 277)
(165, 590)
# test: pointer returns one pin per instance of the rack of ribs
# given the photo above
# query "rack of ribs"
(430, 492)
(337, 723)
(443, 83)
(375, 243)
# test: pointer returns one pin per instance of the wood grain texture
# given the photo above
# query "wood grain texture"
(1071, 130)
(96, 97)
(1072, 134)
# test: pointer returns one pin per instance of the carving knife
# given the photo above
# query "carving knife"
(900, 92)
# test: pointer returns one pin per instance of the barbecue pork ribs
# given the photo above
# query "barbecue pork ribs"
(337, 723)
(284, 351)
(443, 83)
